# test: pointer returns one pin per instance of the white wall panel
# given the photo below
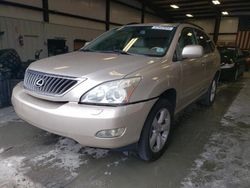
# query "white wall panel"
(17, 22)
(35, 35)
(229, 25)
(88, 8)
(31, 31)
(36, 3)
(123, 15)
(15, 12)
(75, 22)
(227, 39)
(149, 18)
(53, 31)
(206, 24)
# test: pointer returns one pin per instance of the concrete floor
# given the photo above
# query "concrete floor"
(210, 149)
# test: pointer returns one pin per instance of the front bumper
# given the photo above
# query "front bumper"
(82, 122)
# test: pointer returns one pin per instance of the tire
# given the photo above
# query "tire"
(236, 74)
(158, 129)
(210, 96)
(10, 59)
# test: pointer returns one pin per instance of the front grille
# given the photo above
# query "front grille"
(48, 84)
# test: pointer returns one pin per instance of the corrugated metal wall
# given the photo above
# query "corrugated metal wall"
(16, 22)
(35, 35)
(32, 32)
(228, 28)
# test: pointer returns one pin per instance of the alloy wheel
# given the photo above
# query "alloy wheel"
(213, 91)
(160, 130)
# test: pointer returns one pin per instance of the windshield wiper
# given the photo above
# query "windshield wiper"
(108, 51)
(117, 51)
(86, 50)
(122, 52)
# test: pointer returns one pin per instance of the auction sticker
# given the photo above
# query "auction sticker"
(167, 28)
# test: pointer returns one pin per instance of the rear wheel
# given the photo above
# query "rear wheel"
(209, 97)
(236, 74)
(156, 131)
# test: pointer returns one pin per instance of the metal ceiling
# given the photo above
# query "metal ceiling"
(198, 8)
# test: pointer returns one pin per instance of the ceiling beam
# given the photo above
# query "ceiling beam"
(158, 10)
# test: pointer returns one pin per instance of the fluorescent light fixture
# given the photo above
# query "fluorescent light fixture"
(189, 15)
(224, 13)
(216, 2)
(174, 6)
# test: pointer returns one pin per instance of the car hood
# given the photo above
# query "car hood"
(97, 66)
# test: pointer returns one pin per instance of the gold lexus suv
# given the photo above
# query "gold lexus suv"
(123, 88)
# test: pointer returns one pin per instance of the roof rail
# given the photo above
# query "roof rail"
(192, 24)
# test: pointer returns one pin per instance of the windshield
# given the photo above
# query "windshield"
(143, 40)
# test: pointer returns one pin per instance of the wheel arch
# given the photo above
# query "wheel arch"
(171, 96)
(217, 75)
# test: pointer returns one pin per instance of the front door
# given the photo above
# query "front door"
(192, 70)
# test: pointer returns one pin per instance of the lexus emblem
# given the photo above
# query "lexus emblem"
(39, 82)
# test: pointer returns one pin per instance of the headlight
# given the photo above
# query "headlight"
(114, 92)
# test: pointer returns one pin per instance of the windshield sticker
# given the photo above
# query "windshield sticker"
(166, 28)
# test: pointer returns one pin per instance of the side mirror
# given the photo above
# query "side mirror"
(192, 51)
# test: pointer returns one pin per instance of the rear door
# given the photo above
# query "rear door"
(208, 58)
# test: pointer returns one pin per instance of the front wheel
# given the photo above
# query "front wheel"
(156, 131)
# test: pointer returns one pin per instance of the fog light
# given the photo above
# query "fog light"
(110, 133)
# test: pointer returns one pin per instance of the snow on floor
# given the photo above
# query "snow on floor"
(225, 163)
(68, 155)
(8, 114)
(240, 110)
(65, 156)
(57, 163)
(12, 173)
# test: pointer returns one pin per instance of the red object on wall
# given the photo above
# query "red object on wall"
(243, 36)
(243, 40)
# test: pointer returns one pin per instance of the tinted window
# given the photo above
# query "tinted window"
(204, 41)
(187, 38)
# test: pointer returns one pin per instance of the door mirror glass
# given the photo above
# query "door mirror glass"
(192, 51)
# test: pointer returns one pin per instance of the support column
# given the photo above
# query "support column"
(217, 27)
(143, 12)
(45, 11)
(107, 15)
